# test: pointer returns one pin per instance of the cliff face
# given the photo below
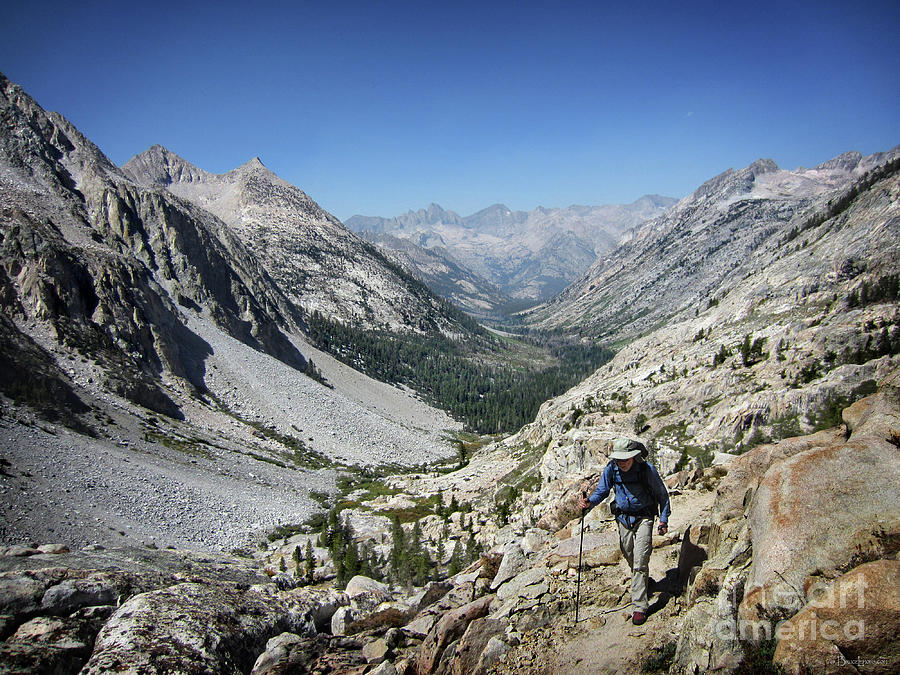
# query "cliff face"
(110, 267)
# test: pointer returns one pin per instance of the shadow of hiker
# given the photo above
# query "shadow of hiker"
(690, 557)
(667, 587)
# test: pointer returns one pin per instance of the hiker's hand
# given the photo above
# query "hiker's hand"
(583, 503)
(663, 528)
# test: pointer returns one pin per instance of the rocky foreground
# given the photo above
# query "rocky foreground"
(787, 552)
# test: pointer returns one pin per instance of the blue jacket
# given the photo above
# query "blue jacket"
(633, 497)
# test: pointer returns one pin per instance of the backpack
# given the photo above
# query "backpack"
(644, 480)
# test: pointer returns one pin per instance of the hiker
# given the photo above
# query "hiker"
(640, 493)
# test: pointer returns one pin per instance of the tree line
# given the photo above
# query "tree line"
(470, 378)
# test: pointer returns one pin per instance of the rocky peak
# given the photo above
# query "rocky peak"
(311, 256)
(762, 166)
(51, 148)
(845, 162)
(160, 167)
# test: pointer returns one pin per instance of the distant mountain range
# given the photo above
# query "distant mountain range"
(497, 259)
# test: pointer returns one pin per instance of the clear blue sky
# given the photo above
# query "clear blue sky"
(379, 107)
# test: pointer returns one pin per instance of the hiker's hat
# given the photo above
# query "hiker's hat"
(626, 448)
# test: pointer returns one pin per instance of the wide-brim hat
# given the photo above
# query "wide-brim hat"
(626, 448)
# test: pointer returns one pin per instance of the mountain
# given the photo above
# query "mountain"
(316, 261)
(752, 309)
(436, 268)
(109, 267)
(148, 345)
(529, 256)
(758, 228)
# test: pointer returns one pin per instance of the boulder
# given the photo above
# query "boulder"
(530, 584)
(535, 540)
(598, 549)
(721, 458)
(325, 604)
(50, 644)
(448, 630)
(97, 589)
(746, 471)
(361, 584)
(495, 649)
(472, 644)
(513, 562)
(423, 623)
(566, 509)
(290, 653)
(810, 513)
(878, 415)
(433, 592)
(53, 549)
(196, 627)
(384, 668)
(367, 594)
(376, 651)
(342, 618)
(578, 452)
(277, 653)
(853, 624)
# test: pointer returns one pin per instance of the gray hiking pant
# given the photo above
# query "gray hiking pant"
(636, 545)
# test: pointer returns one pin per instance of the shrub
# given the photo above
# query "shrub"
(661, 658)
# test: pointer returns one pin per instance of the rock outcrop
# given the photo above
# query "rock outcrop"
(853, 623)
(789, 520)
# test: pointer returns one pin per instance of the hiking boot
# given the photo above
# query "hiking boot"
(638, 618)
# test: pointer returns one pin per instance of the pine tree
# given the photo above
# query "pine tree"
(351, 563)
(310, 562)
(472, 549)
(745, 350)
(440, 553)
(398, 549)
(455, 560)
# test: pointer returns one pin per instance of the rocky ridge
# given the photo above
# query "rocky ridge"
(319, 264)
(734, 226)
(778, 346)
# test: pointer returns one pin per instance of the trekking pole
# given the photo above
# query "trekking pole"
(580, 547)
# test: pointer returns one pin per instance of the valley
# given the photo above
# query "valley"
(227, 420)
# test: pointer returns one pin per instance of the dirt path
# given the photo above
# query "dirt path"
(605, 640)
